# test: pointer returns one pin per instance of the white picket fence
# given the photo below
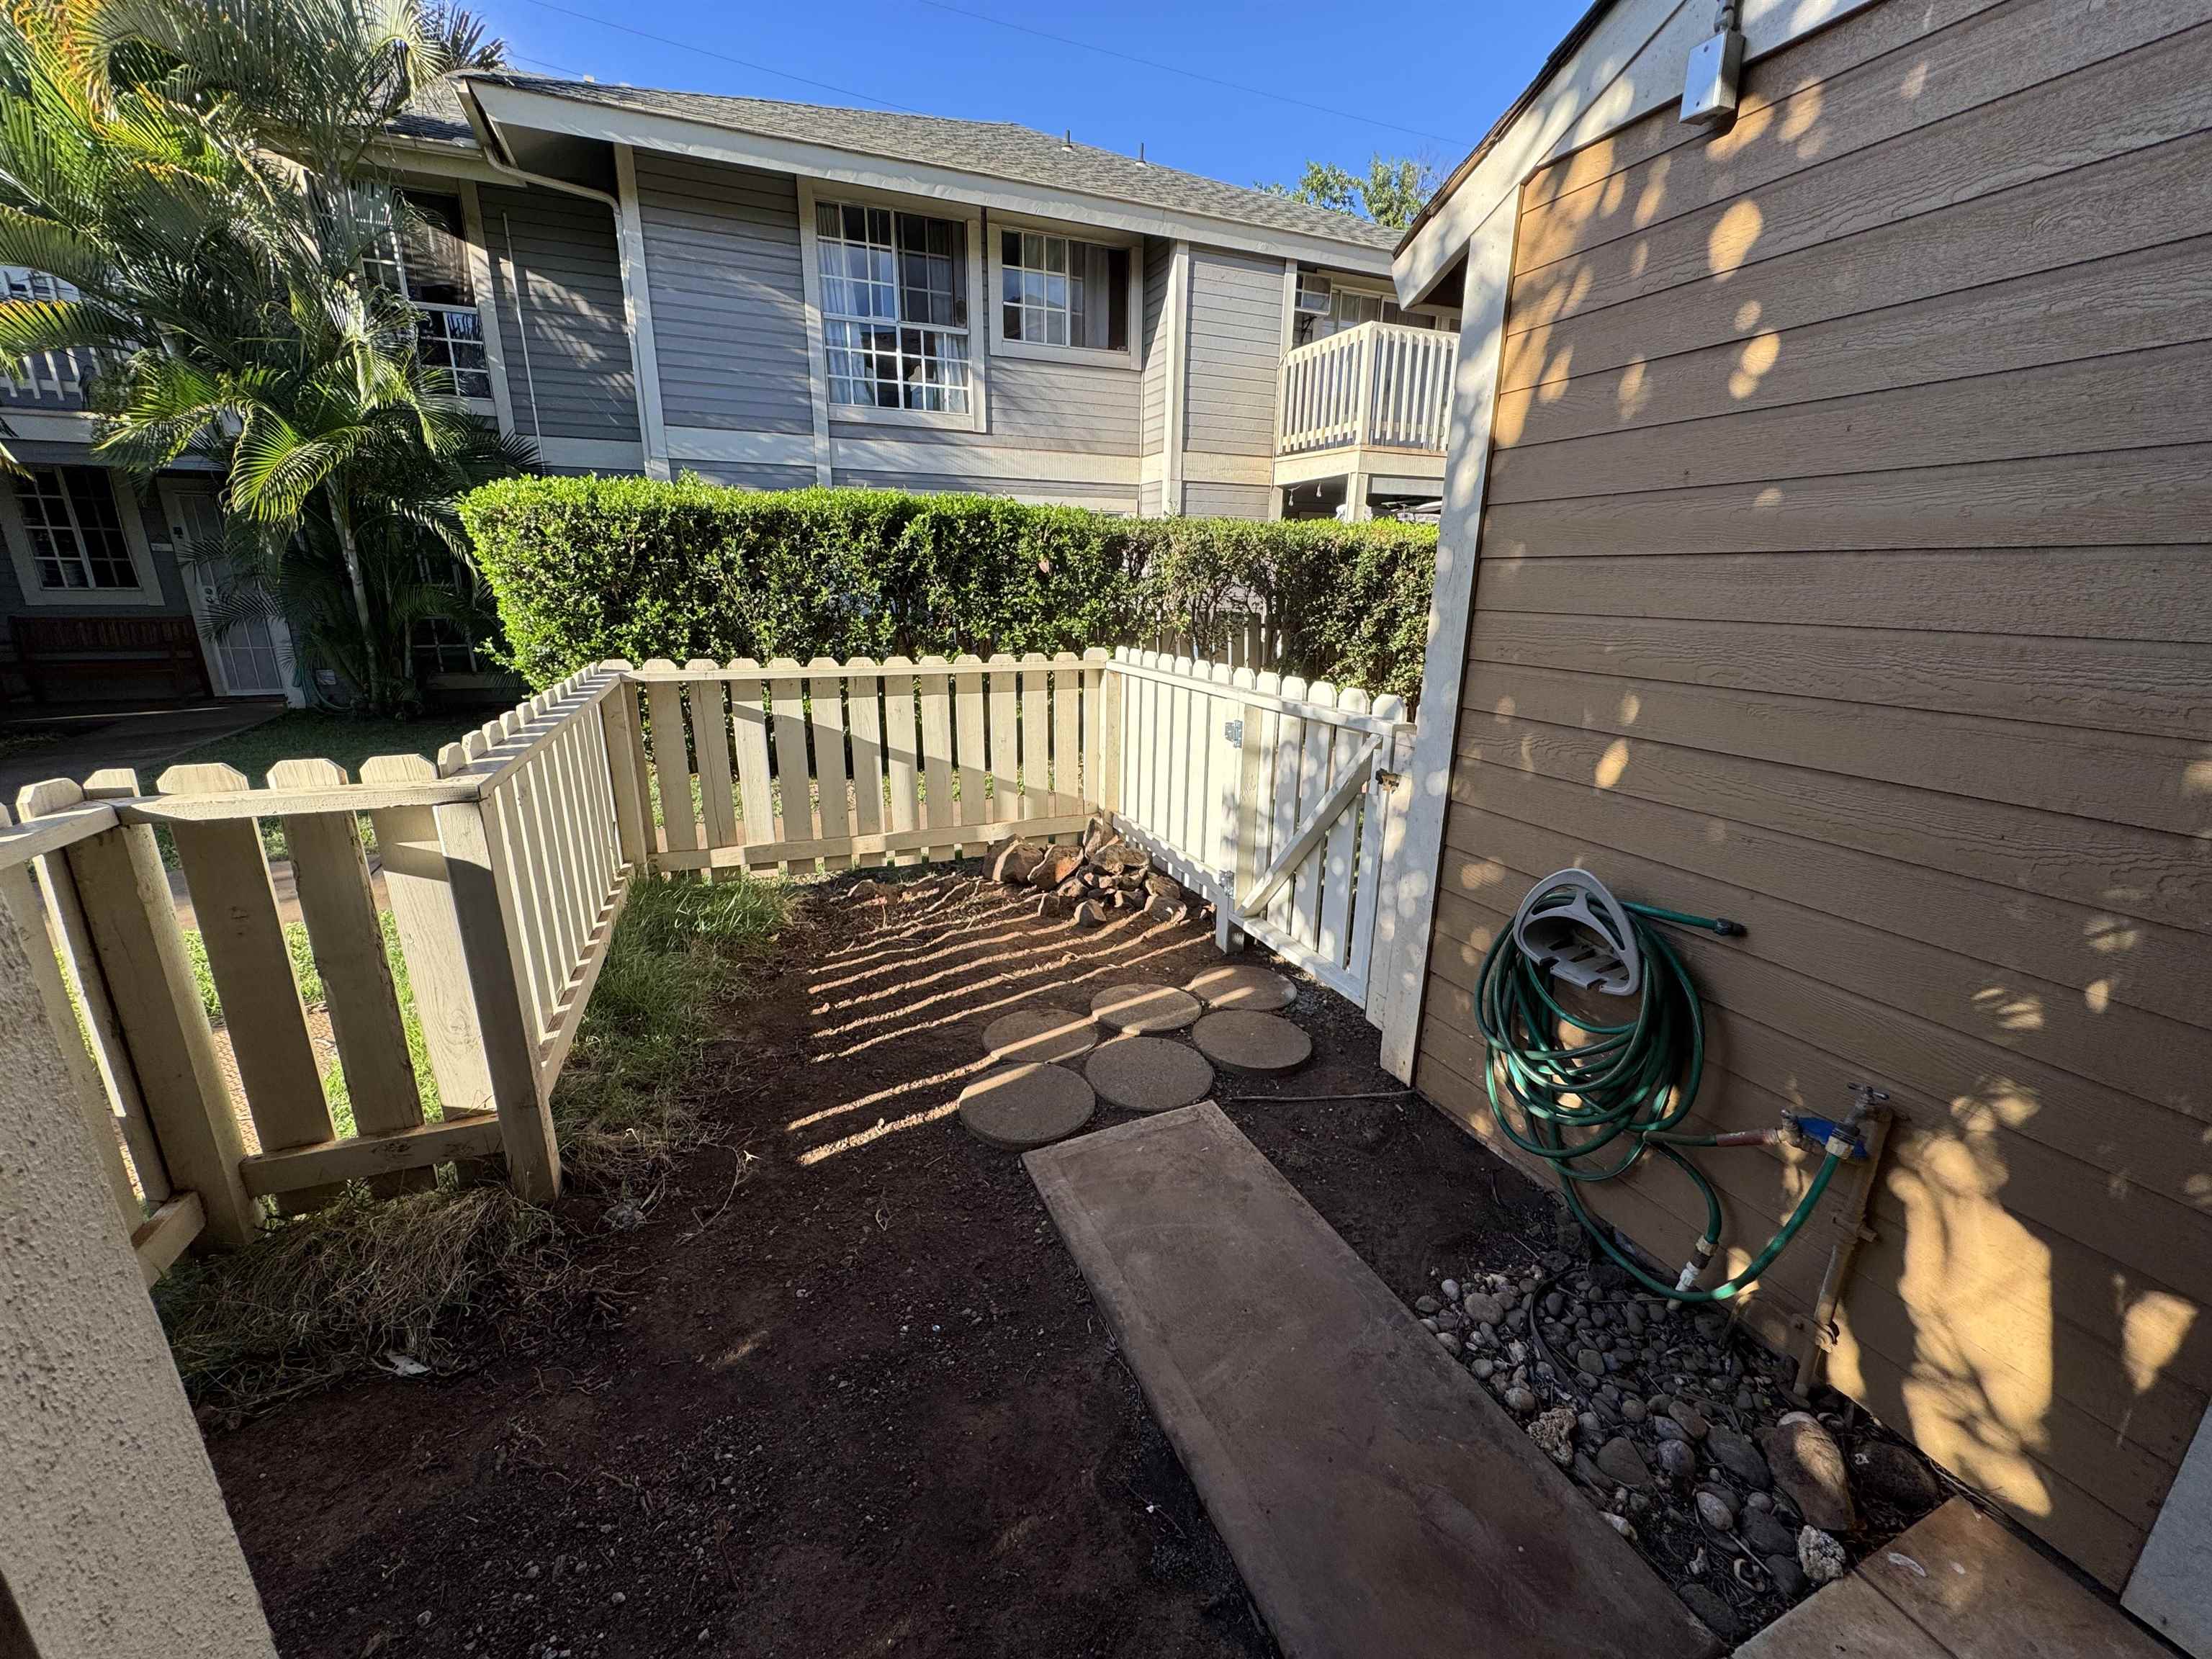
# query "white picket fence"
(1277, 799)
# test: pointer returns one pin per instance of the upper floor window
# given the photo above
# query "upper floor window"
(426, 259)
(74, 530)
(1057, 291)
(894, 307)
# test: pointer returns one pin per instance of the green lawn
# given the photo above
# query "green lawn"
(311, 734)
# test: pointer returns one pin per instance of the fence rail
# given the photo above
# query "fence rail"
(505, 864)
(1381, 385)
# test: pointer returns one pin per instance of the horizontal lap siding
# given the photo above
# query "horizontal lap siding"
(568, 368)
(1079, 407)
(1844, 571)
(1070, 492)
(1236, 345)
(1226, 501)
(729, 303)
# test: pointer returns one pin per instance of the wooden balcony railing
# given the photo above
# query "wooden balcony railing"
(1379, 386)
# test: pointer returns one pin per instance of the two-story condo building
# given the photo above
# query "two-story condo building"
(776, 295)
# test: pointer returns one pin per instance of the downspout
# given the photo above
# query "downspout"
(493, 149)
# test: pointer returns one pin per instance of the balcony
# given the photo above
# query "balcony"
(1372, 401)
(50, 379)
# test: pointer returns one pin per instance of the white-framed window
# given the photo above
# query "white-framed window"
(1348, 308)
(1062, 291)
(74, 526)
(894, 308)
(425, 260)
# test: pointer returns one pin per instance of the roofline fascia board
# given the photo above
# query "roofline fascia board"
(1588, 98)
(432, 158)
(648, 130)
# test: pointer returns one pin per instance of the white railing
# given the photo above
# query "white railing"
(1381, 385)
(59, 375)
(1276, 798)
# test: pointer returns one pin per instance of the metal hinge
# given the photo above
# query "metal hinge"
(1233, 733)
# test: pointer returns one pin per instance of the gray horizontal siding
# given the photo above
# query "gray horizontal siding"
(1159, 258)
(558, 253)
(1235, 353)
(1225, 501)
(1080, 407)
(729, 305)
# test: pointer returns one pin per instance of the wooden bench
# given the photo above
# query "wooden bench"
(95, 659)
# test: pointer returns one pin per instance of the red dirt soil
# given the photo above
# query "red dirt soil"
(860, 1402)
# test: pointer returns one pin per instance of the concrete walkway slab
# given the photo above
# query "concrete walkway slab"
(1376, 1500)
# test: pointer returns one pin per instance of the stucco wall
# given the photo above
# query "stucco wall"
(115, 1543)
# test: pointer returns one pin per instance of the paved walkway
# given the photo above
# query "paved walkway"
(1960, 1585)
(69, 741)
(1376, 1501)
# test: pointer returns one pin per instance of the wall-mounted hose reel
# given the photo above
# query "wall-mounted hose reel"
(1592, 1097)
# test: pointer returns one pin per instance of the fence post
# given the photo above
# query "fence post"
(477, 864)
(1103, 736)
(626, 766)
(1226, 934)
(141, 950)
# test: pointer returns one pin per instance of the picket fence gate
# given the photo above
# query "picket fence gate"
(506, 863)
(1281, 801)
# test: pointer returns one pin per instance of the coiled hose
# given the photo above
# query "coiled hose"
(1592, 1109)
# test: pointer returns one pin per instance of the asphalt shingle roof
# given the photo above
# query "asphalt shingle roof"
(999, 150)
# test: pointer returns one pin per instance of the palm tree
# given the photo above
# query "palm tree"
(200, 173)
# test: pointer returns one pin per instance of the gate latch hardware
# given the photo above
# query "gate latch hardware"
(1232, 733)
(1389, 779)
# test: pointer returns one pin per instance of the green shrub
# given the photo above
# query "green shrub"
(587, 569)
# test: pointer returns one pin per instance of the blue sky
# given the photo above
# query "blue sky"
(1365, 78)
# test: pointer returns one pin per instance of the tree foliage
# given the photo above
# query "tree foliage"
(1390, 194)
(200, 173)
(589, 569)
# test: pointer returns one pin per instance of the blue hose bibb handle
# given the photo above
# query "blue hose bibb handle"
(1828, 1132)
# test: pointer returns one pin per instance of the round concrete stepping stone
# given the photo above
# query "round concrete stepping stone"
(1245, 985)
(1018, 1106)
(1139, 1008)
(1040, 1035)
(1258, 1044)
(1148, 1073)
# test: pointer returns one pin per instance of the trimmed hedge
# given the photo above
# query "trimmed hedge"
(588, 568)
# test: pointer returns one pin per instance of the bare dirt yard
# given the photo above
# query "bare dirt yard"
(847, 1394)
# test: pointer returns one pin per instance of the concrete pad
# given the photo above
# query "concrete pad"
(1148, 1074)
(1137, 1009)
(1018, 1106)
(1045, 1035)
(1243, 985)
(2171, 1588)
(1376, 1501)
(1258, 1045)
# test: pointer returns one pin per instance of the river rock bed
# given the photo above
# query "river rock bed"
(1680, 1428)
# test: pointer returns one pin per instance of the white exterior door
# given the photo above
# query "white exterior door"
(252, 657)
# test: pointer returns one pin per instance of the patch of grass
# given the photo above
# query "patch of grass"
(314, 734)
(622, 1106)
(324, 1294)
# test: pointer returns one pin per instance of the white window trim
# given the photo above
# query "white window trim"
(477, 260)
(977, 418)
(20, 553)
(995, 266)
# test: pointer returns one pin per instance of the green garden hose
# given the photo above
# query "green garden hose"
(1593, 1108)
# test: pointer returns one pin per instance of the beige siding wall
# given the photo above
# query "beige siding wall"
(1844, 570)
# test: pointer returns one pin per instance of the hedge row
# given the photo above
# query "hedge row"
(586, 568)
